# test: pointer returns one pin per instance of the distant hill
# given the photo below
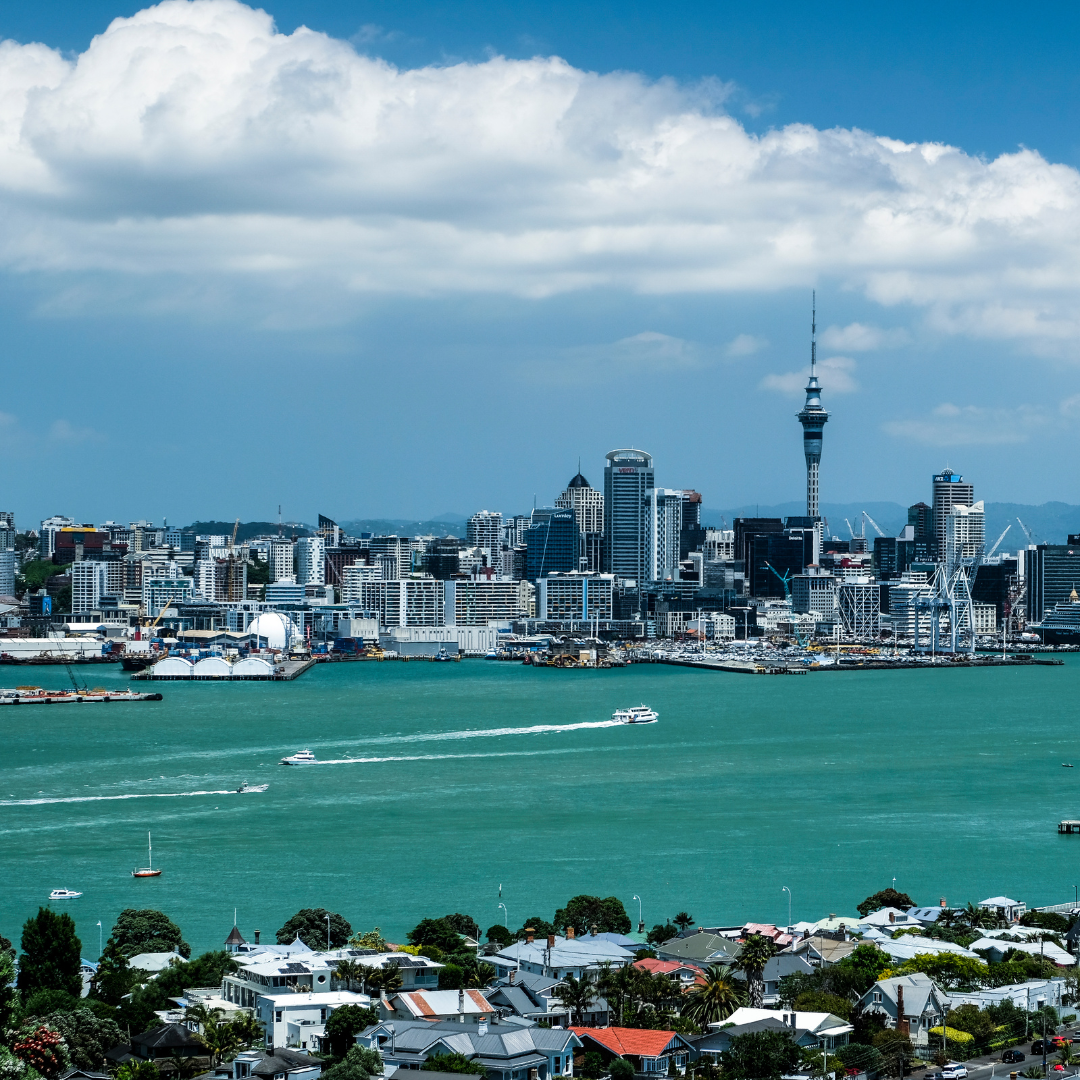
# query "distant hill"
(248, 529)
(446, 525)
(1050, 523)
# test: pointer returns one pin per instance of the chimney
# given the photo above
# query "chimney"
(270, 1050)
(257, 933)
(569, 935)
(892, 916)
(551, 941)
(530, 933)
(461, 1001)
(943, 901)
(513, 975)
(793, 1021)
(901, 1019)
(641, 928)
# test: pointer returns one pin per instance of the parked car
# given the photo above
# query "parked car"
(954, 1071)
(1013, 1057)
(1037, 1047)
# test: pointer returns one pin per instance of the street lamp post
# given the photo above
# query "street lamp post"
(99, 939)
(640, 920)
(784, 888)
(327, 933)
(506, 916)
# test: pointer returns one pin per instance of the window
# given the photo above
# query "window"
(322, 1015)
(277, 1016)
(556, 1067)
(877, 997)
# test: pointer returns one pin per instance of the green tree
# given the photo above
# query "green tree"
(885, 898)
(860, 1056)
(344, 1024)
(500, 935)
(145, 930)
(760, 1055)
(8, 999)
(717, 998)
(463, 924)
(34, 573)
(359, 1063)
(683, 921)
(822, 1001)
(373, 939)
(453, 1063)
(87, 1036)
(1046, 920)
(113, 978)
(662, 932)
(621, 1069)
(51, 954)
(577, 995)
(947, 969)
(42, 1048)
(386, 979)
(437, 932)
(868, 961)
(592, 1066)
(584, 912)
(755, 953)
(248, 1030)
(137, 1070)
(310, 925)
(43, 1002)
(539, 927)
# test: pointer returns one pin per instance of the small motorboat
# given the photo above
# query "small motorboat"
(245, 787)
(64, 894)
(636, 714)
(302, 757)
(147, 870)
(1064, 766)
(443, 656)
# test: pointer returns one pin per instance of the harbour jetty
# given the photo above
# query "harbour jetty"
(218, 669)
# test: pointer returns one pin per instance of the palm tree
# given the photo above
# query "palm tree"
(577, 995)
(717, 998)
(753, 956)
(203, 1016)
(248, 1029)
(387, 979)
(973, 916)
(1066, 1055)
(214, 1033)
(682, 920)
(348, 972)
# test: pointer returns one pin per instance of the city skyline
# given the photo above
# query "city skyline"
(189, 278)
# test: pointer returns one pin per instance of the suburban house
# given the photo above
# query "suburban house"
(1007, 910)
(1033, 994)
(299, 1019)
(533, 997)
(995, 949)
(889, 919)
(827, 1031)
(507, 1051)
(685, 976)
(914, 1002)
(274, 970)
(780, 938)
(714, 1043)
(928, 916)
(822, 950)
(650, 1052)
(701, 949)
(785, 963)
(910, 945)
(160, 1044)
(271, 1064)
(557, 957)
(461, 1006)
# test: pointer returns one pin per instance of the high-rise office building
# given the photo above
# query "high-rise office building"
(813, 418)
(665, 533)
(588, 506)
(311, 560)
(1053, 571)
(47, 534)
(485, 530)
(965, 533)
(949, 489)
(628, 481)
(553, 544)
(282, 566)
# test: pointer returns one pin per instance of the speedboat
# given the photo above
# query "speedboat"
(303, 757)
(636, 714)
(64, 894)
(251, 787)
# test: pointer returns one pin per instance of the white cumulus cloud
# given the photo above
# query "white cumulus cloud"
(835, 375)
(194, 139)
(859, 337)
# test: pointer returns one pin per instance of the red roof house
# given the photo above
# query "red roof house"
(685, 975)
(648, 1051)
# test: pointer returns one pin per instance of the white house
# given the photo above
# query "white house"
(558, 957)
(299, 1020)
(995, 948)
(464, 1006)
(1004, 908)
(831, 1031)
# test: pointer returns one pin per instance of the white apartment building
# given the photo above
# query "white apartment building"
(47, 534)
(719, 544)
(353, 576)
(7, 573)
(282, 564)
(902, 597)
(664, 524)
(478, 602)
(575, 597)
(311, 560)
(159, 591)
(88, 585)
(205, 579)
(965, 532)
(485, 530)
(814, 593)
(984, 617)
(404, 602)
(715, 625)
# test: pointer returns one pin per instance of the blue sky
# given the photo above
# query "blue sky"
(412, 263)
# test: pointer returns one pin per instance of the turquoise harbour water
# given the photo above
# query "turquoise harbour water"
(831, 784)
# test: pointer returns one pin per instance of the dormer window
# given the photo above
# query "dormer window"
(877, 997)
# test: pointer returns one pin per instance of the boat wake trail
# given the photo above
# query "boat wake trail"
(116, 798)
(480, 733)
(439, 757)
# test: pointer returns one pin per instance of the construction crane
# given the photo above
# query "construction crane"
(849, 528)
(998, 541)
(783, 580)
(867, 517)
(1027, 532)
(230, 566)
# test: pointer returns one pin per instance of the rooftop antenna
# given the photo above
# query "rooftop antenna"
(279, 520)
(813, 335)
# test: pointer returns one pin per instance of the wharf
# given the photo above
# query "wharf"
(34, 695)
(287, 670)
(780, 667)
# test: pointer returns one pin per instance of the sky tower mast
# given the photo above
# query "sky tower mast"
(812, 418)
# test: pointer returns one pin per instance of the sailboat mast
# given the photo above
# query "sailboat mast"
(149, 852)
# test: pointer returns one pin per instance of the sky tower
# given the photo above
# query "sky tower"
(812, 418)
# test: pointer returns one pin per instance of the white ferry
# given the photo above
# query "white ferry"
(636, 714)
(64, 894)
(304, 757)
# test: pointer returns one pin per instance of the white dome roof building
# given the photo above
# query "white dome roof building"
(273, 630)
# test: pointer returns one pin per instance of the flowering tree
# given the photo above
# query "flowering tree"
(42, 1049)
